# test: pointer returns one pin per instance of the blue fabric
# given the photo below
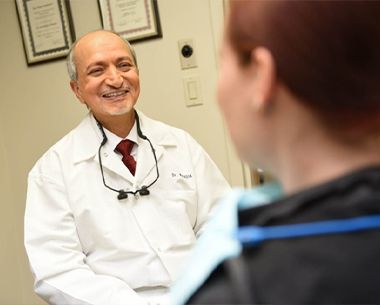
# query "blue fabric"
(218, 242)
(254, 235)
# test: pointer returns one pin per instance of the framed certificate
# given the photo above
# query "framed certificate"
(135, 20)
(46, 27)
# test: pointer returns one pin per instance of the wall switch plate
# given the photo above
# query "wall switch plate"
(192, 88)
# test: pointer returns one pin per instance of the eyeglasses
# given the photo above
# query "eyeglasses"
(123, 194)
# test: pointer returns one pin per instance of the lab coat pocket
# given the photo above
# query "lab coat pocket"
(178, 210)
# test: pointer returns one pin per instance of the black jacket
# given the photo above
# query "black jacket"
(338, 268)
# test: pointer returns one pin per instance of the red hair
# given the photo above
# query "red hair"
(327, 53)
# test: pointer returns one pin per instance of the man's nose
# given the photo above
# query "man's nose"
(114, 77)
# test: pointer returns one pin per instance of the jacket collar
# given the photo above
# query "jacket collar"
(343, 197)
(87, 139)
(157, 132)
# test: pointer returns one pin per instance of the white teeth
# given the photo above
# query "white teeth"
(114, 94)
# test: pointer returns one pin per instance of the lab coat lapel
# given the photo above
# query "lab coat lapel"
(146, 165)
(111, 162)
(88, 130)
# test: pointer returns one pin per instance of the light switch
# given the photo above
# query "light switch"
(192, 91)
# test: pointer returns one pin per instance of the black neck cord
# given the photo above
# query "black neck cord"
(122, 194)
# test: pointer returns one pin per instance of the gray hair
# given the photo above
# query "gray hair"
(70, 59)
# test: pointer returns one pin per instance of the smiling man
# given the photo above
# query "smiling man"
(115, 206)
(107, 79)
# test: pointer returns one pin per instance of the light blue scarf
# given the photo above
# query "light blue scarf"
(218, 242)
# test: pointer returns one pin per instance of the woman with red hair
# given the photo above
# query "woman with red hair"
(299, 87)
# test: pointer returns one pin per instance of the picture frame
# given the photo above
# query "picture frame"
(46, 27)
(134, 20)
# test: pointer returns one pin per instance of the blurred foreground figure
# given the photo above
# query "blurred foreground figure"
(299, 88)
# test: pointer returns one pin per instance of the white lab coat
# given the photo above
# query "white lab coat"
(87, 247)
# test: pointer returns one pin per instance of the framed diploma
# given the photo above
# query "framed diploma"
(46, 27)
(135, 20)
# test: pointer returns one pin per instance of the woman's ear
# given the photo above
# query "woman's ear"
(263, 64)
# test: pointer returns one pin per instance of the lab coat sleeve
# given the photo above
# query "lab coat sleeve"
(211, 185)
(55, 253)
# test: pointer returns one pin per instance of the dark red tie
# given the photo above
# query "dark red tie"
(125, 148)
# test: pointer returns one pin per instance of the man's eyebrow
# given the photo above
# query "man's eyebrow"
(124, 58)
(102, 63)
(97, 63)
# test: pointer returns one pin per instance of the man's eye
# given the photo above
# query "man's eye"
(125, 66)
(96, 71)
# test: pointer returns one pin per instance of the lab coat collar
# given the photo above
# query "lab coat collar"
(156, 131)
(160, 136)
(87, 139)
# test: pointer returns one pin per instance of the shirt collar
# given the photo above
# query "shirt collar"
(113, 140)
(157, 132)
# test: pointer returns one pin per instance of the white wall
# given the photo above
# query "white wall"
(37, 108)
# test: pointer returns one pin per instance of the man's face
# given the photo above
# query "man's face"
(107, 78)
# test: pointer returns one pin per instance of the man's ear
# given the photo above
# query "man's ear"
(75, 88)
(264, 68)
